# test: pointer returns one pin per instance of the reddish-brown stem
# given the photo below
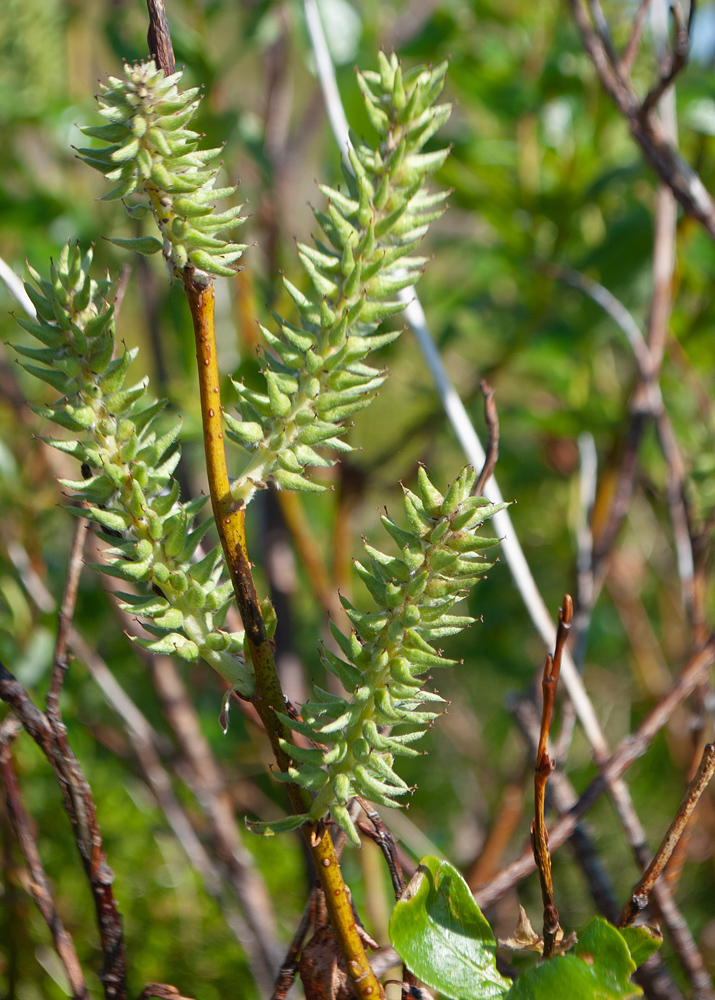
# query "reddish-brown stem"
(644, 887)
(288, 969)
(69, 599)
(625, 754)
(159, 37)
(39, 884)
(492, 450)
(80, 808)
(542, 770)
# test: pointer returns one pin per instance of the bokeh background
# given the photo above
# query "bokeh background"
(543, 172)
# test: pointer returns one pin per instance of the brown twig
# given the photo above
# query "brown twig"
(648, 132)
(677, 61)
(542, 770)
(69, 599)
(625, 754)
(80, 808)
(654, 976)
(159, 37)
(385, 841)
(499, 835)
(288, 969)
(39, 883)
(641, 892)
(492, 450)
(631, 50)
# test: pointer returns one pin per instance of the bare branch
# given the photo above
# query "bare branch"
(642, 891)
(69, 599)
(625, 754)
(631, 50)
(80, 808)
(39, 883)
(492, 418)
(159, 37)
(677, 61)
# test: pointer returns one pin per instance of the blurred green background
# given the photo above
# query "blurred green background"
(543, 171)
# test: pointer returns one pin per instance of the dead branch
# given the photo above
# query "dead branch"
(80, 807)
(643, 889)
(492, 450)
(626, 753)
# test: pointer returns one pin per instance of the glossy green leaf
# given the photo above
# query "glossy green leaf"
(642, 941)
(600, 968)
(442, 937)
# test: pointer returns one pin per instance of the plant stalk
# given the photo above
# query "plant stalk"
(230, 523)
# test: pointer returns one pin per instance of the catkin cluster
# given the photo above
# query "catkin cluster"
(152, 154)
(317, 378)
(128, 490)
(388, 653)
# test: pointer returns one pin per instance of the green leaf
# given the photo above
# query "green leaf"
(600, 968)
(279, 826)
(442, 937)
(144, 244)
(642, 941)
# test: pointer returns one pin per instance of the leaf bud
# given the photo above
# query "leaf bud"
(187, 649)
(195, 596)
(410, 615)
(393, 595)
(143, 548)
(178, 581)
(439, 531)
(342, 788)
(361, 749)
(218, 642)
(430, 496)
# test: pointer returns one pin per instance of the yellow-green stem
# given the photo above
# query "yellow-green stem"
(230, 522)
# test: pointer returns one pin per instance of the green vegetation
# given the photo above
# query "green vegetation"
(551, 201)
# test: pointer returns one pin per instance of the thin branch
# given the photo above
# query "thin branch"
(650, 390)
(39, 884)
(288, 969)
(159, 37)
(492, 419)
(643, 889)
(542, 770)
(80, 808)
(631, 50)
(603, 29)
(612, 307)
(625, 754)
(653, 976)
(145, 741)
(69, 599)
(678, 61)
(648, 131)
(385, 841)
(16, 287)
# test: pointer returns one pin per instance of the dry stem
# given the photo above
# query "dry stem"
(625, 754)
(542, 770)
(80, 808)
(39, 883)
(642, 891)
